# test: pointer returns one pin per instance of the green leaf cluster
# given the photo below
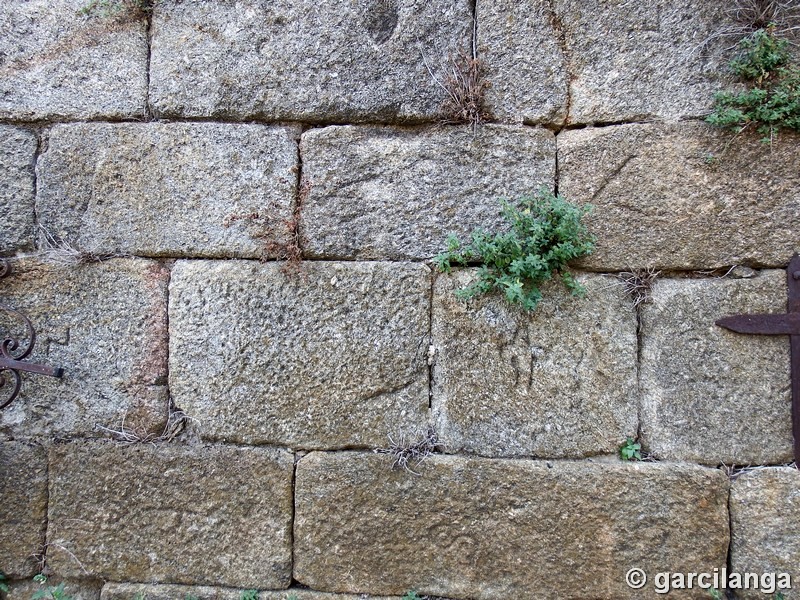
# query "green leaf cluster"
(49, 592)
(546, 233)
(772, 100)
(630, 450)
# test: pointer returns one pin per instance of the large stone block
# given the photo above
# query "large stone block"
(639, 60)
(522, 48)
(366, 60)
(488, 528)
(57, 63)
(23, 509)
(395, 194)
(558, 382)
(765, 525)
(173, 514)
(17, 184)
(680, 196)
(177, 189)
(126, 591)
(331, 357)
(710, 395)
(105, 324)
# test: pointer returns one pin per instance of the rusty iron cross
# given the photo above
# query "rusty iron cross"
(775, 324)
(12, 357)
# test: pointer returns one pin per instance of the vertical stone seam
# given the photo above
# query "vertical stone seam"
(431, 359)
(556, 173)
(46, 524)
(148, 109)
(170, 402)
(558, 28)
(474, 9)
(729, 556)
(639, 396)
(41, 148)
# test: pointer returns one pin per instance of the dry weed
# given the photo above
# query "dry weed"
(404, 452)
(638, 284)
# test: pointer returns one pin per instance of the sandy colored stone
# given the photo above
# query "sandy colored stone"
(639, 60)
(488, 528)
(56, 63)
(327, 61)
(673, 196)
(765, 525)
(17, 156)
(522, 50)
(173, 514)
(386, 193)
(169, 189)
(23, 507)
(127, 591)
(75, 589)
(105, 324)
(333, 356)
(710, 395)
(558, 382)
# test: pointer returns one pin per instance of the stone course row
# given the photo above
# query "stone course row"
(548, 61)
(666, 196)
(338, 356)
(462, 528)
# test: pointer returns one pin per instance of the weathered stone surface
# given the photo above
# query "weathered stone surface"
(75, 589)
(380, 192)
(710, 395)
(488, 528)
(58, 64)
(558, 382)
(333, 61)
(105, 324)
(126, 591)
(23, 507)
(640, 61)
(17, 155)
(331, 357)
(177, 189)
(765, 525)
(672, 196)
(173, 514)
(523, 56)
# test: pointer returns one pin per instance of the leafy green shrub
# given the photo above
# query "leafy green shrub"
(3, 586)
(630, 450)
(48, 592)
(772, 100)
(248, 595)
(546, 233)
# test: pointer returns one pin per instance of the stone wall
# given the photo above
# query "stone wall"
(192, 148)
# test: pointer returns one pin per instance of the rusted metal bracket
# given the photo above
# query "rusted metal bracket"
(775, 324)
(13, 354)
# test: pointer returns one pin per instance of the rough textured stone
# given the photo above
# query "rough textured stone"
(765, 525)
(673, 196)
(640, 60)
(74, 589)
(55, 63)
(23, 509)
(333, 356)
(17, 155)
(126, 591)
(172, 514)
(710, 395)
(391, 193)
(524, 60)
(331, 61)
(105, 324)
(488, 528)
(177, 189)
(558, 382)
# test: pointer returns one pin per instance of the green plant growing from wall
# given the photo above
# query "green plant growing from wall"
(49, 592)
(630, 450)
(248, 595)
(545, 234)
(3, 586)
(772, 100)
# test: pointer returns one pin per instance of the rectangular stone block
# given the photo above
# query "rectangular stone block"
(558, 382)
(142, 591)
(74, 589)
(367, 60)
(522, 46)
(171, 514)
(385, 193)
(17, 185)
(639, 60)
(105, 324)
(23, 509)
(710, 395)
(333, 356)
(489, 528)
(765, 526)
(169, 189)
(58, 64)
(680, 196)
